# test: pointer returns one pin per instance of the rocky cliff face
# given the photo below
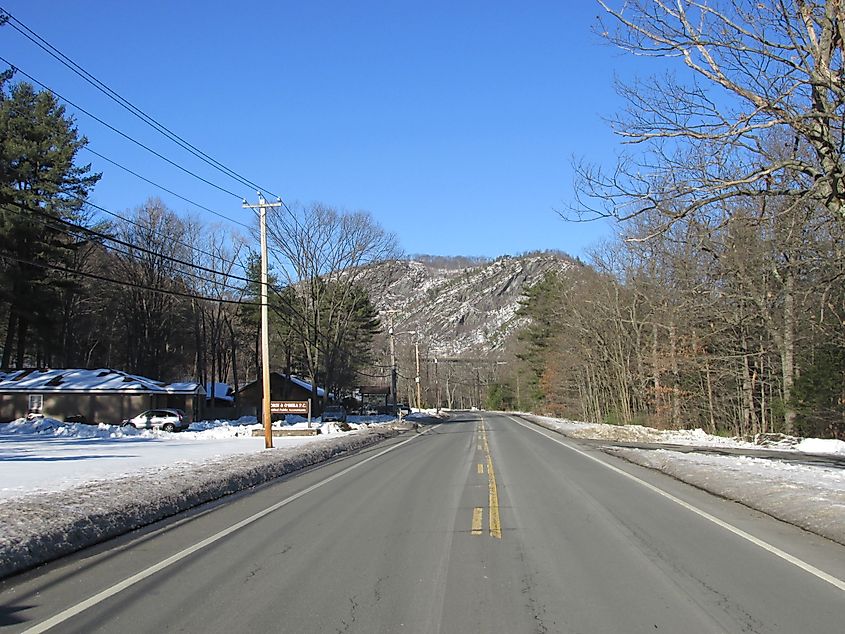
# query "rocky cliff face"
(461, 307)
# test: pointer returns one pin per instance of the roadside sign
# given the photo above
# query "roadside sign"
(290, 407)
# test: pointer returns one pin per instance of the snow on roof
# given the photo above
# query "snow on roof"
(305, 385)
(222, 392)
(80, 380)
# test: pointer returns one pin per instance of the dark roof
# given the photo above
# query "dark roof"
(374, 389)
(305, 385)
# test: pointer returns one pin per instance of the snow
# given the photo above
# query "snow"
(81, 380)
(690, 437)
(822, 446)
(48, 455)
(305, 385)
(222, 392)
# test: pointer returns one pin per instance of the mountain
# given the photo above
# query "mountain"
(461, 307)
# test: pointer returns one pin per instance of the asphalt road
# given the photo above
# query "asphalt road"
(480, 524)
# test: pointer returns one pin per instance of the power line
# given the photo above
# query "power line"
(39, 41)
(145, 287)
(123, 134)
(240, 265)
(114, 214)
(198, 267)
(104, 236)
(137, 224)
(294, 310)
(159, 233)
(163, 188)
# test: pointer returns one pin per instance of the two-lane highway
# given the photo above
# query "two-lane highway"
(484, 523)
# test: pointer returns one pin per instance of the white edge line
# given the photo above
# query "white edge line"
(72, 611)
(803, 565)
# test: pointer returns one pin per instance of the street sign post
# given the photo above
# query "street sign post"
(289, 407)
(292, 407)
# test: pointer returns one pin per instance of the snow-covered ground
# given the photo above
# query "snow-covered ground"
(811, 496)
(48, 455)
(691, 437)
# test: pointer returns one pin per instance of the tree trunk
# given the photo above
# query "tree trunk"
(788, 356)
(198, 365)
(234, 349)
(23, 328)
(655, 370)
(676, 375)
(10, 337)
(749, 423)
(712, 429)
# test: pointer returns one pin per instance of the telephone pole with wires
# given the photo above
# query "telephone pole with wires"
(262, 207)
(392, 357)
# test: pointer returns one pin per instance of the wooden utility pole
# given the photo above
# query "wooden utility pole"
(417, 352)
(437, 385)
(392, 359)
(265, 337)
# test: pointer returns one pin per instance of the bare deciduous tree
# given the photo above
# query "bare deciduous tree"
(155, 342)
(324, 255)
(748, 70)
(219, 253)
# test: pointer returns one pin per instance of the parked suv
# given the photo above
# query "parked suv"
(166, 419)
(335, 413)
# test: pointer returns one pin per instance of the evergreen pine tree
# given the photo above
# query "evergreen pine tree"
(41, 188)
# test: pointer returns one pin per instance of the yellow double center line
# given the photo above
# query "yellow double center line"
(492, 493)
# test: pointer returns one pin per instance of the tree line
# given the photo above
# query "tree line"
(721, 303)
(162, 294)
(736, 329)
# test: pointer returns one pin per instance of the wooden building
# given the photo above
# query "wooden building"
(95, 396)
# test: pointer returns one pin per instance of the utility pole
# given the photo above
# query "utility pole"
(417, 352)
(392, 359)
(437, 384)
(478, 388)
(265, 337)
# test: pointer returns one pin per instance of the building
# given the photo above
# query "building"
(282, 388)
(375, 398)
(95, 396)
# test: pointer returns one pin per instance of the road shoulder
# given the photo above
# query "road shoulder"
(819, 510)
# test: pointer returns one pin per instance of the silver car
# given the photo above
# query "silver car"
(165, 419)
(335, 413)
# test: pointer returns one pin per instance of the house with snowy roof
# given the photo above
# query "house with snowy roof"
(283, 387)
(96, 396)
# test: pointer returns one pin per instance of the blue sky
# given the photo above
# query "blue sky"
(453, 123)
